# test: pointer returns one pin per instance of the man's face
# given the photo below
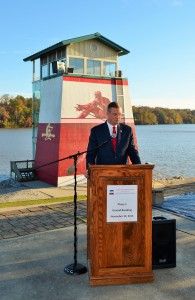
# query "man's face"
(114, 116)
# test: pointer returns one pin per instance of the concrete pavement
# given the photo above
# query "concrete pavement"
(32, 265)
(16, 222)
(33, 219)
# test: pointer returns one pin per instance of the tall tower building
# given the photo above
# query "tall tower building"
(73, 82)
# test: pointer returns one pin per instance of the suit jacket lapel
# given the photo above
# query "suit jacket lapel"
(106, 132)
(119, 134)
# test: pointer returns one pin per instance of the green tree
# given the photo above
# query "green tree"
(159, 115)
(15, 112)
(4, 116)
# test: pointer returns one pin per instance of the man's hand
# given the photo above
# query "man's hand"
(86, 174)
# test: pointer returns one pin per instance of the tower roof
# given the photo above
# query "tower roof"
(97, 36)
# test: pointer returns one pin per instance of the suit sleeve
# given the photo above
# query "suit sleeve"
(91, 153)
(132, 151)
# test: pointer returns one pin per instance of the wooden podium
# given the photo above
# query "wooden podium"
(119, 252)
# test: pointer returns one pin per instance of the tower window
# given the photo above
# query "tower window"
(93, 67)
(77, 64)
(109, 68)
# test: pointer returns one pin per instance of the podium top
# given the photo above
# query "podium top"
(120, 170)
(132, 167)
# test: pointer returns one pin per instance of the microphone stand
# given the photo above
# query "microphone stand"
(75, 268)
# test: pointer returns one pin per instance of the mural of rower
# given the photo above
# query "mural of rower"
(96, 108)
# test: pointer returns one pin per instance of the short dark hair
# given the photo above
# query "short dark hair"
(112, 105)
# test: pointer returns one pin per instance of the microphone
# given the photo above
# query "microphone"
(70, 170)
(113, 136)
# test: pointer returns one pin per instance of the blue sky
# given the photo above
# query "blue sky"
(160, 35)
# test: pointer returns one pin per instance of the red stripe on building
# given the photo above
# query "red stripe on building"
(96, 80)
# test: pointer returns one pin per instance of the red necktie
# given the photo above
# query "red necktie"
(114, 139)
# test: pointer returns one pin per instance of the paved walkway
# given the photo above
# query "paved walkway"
(38, 219)
(28, 220)
(33, 256)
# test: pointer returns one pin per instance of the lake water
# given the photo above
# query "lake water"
(15, 144)
(171, 148)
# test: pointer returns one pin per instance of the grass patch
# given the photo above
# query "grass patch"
(40, 201)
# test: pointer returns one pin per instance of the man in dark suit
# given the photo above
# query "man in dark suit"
(117, 150)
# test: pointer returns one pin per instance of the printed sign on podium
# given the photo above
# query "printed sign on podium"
(121, 203)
